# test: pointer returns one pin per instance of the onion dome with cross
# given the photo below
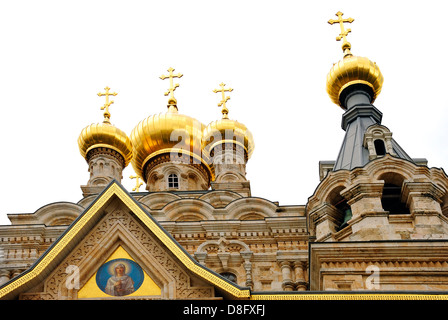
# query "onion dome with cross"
(105, 135)
(169, 137)
(227, 133)
(352, 72)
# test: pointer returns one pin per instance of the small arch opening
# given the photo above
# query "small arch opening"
(340, 203)
(391, 199)
(346, 212)
(380, 147)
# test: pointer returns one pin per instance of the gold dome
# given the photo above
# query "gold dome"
(165, 133)
(227, 131)
(105, 135)
(352, 70)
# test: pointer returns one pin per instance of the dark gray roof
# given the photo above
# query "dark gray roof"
(355, 122)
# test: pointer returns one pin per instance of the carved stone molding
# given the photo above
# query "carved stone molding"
(119, 227)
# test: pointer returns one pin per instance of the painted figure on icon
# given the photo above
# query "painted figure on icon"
(119, 277)
(120, 284)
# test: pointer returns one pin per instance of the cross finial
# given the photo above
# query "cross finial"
(107, 104)
(138, 183)
(171, 100)
(222, 104)
(346, 46)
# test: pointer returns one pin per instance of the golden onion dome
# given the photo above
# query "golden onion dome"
(353, 70)
(105, 135)
(166, 133)
(227, 131)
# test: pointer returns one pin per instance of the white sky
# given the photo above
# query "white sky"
(55, 56)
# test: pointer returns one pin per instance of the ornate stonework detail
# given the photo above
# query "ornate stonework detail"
(370, 203)
(88, 256)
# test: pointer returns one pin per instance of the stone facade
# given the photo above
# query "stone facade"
(265, 247)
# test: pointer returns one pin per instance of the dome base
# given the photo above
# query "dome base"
(163, 174)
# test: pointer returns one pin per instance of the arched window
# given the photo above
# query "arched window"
(229, 276)
(380, 148)
(391, 199)
(346, 212)
(173, 181)
(341, 205)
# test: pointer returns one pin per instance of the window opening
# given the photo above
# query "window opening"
(173, 181)
(380, 148)
(346, 211)
(391, 200)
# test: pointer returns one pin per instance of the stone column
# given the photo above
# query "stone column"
(287, 282)
(299, 271)
(248, 268)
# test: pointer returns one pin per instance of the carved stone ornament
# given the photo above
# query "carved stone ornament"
(120, 228)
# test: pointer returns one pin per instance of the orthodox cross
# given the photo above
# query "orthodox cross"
(222, 104)
(172, 87)
(107, 104)
(138, 183)
(343, 35)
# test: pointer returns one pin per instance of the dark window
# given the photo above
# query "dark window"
(380, 148)
(173, 181)
(346, 213)
(391, 199)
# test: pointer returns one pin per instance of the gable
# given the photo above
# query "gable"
(104, 283)
(116, 226)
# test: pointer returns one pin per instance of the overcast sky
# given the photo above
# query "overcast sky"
(55, 56)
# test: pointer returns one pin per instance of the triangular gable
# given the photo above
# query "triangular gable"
(80, 228)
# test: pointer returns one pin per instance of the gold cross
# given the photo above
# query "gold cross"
(138, 183)
(346, 46)
(107, 104)
(171, 100)
(225, 111)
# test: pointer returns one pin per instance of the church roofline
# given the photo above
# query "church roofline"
(68, 239)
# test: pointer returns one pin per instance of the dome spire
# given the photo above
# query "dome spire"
(346, 46)
(107, 104)
(222, 104)
(172, 102)
(106, 149)
(352, 74)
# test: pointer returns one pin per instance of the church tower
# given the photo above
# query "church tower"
(107, 150)
(229, 145)
(167, 149)
(373, 180)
